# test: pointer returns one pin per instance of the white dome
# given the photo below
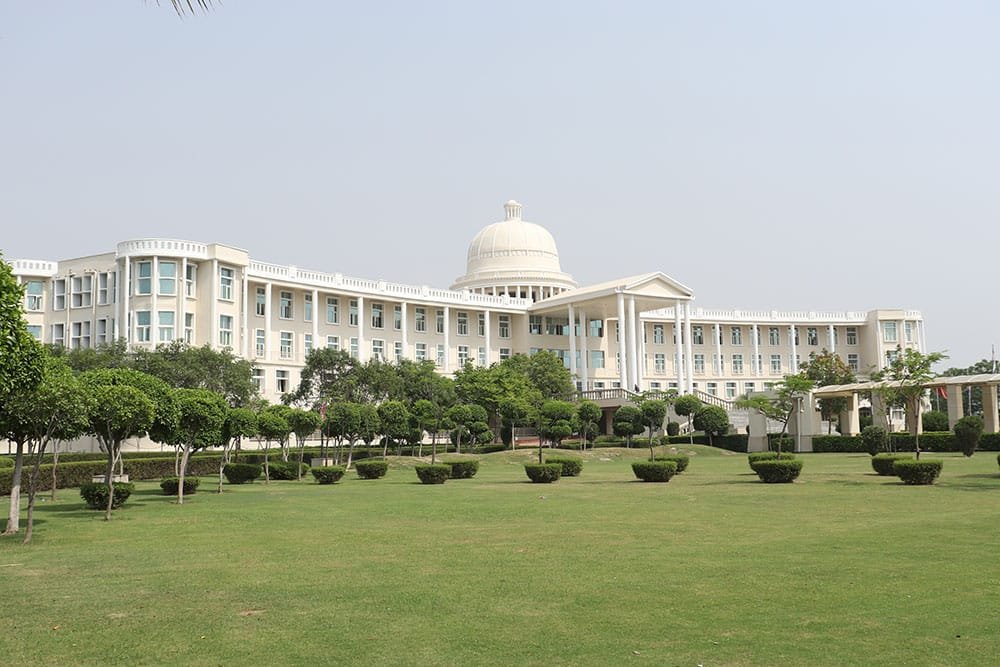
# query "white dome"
(513, 251)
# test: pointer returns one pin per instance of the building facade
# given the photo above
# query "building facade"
(639, 332)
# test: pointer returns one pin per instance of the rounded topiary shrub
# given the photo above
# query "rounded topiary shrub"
(654, 471)
(757, 457)
(912, 471)
(241, 473)
(437, 473)
(673, 428)
(371, 469)
(170, 484)
(95, 494)
(778, 471)
(463, 468)
(285, 470)
(327, 474)
(571, 466)
(883, 463)
(543, 473)
(682, 460)
(6, 462)
(968, 433)
(874, 439)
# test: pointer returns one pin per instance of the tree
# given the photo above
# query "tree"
(782, 405)
(519, 410)
(272, 426)
(370, 424)
(557, 422)
(201, 423)
(653, 413)
(687, 406)
(588, 415)
(545, 371)
(713, 420)
(325, 377)
(395, 420)
(426, 416)
(240, 423)
(458, 418)
(303, 423)
(903, 380)
(935, 420)
(344, 424)
(968, 431)
(826, 369)
(185, 367)
(627, 423)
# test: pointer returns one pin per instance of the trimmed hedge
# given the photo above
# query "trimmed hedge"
(915, 472)
(241, 473)
(6, 462)
(170, 484)
(285, 470)
(571, 466)
(95, 494)
(463, 468)
(778, 471)
(756, 457)
(79, 473)
(543, 473)
(681, 460)
(839, 443)
(929, 442)
(654, 471)
(437, 473)
(883, 463)
(327, 474)
(371, 469)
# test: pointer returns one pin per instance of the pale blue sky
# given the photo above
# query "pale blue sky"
(767, 154)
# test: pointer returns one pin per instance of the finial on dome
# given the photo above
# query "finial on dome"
(512, 210)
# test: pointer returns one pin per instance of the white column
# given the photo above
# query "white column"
(182, 299)
(447, 341)
(214, 306)
(755, 364)
(793, 362)
(267, 322)
(640, 360)
(362, 352)
(405, 331)
(572, 344)
(633, 350)
(688, 356)
(584, 353)
(315, 318)
(717, 363)
(245, 316)
(831, 334)
(125, 285)
(154, 315)
(489, 336)
(678, 347)
(623, 362)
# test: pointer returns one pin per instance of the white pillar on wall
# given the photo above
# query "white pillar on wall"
(489, 336)
(794, 361)
(633, 350)
(622, 359)
(214, 306)
(688, 357)
(447, 339)
(584, 352)
(245, 316)
(404, 331)
(831, 334)
(154, 315)
(362, 351)
(126, 288)
(182, 299)
(755, 363)
(572, 344)
(717, 362)
(315, 319)
(267, 322)
(640, 362)
(678, 347)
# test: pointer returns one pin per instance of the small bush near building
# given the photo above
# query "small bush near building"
(463, 468)
(285, 470)
(912, 471)
(437, 473)
(654, 471)
(681, 460)
(756, 457)
(571, 466)
(873, 438)
(241, 473)
(934, 420)
(884, 464)
(371, 469)
(170, 484)
(543, 473)
(968, 431)
(778, 471)
(673, 428)
(95, 494)
(327, 474)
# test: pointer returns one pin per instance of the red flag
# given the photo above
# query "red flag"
(942, 392)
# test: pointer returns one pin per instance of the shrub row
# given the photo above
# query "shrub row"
(371, 469)
(680, 460)
(463, 468)
(6, 462)
(654, 471)
(95, 494)
(755, 458)
(571, 466)
(929, 442)
(77, 474)
(281, 470)
(242, 473)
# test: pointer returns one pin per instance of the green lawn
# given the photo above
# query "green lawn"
(841, 567)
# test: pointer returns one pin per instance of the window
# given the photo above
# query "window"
(285, 305)
(775, 364)
(439, 326)
(397, 317)
(503, 326)
(719, 363)
(332, 310)
(618, 361)
(768, 386)
(105, 288)
(749, 387)
(34, 289)
(226, 276)
(659, 363)
(557, 326)
(82, 287)
(853, 363)
(462, 323)
(852, 335)
(260, 342)
(226, 330)
(812, 336)
(35, 330)
(377, 321)
(504, 353)
(760, 363)
(352, 312)
(463, 355)
(773, 336)
(730, 390)
(189, 328)
(697, 335)
(420, 319)
(482, 357)
(307, 307)
(397, 350)
(658, 334)
(736, 335)
(355, 354)
(102, 331)
(908, 332)
(795, 335)
(597, 328)
(144, 278)
(165, 322)
(307, 344)
(717, 333)
(420, 351)
(889, 331)
(261, 306)
(737, 364)
(142, 326)
(535, 324)
(713, 388)
(168, 278)
(257, 378)
(333, 342)
(59, 334)
(286, 344)
(440, 355)
(699, 363)
(378, 349)
(654, 386)
(59, 294)
(281, 381)
(482, 324)
(80, 335)
(891, 356)
(189, 279)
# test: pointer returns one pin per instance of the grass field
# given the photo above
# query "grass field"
(714, 568)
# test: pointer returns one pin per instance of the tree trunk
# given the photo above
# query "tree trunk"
(691, 430)
(267, 448)
(109, 478)
(14, 516)
(55, 463)
(180, 477)
(350, 454)
(302, 453)
(385, 446)
(177, 462)
(916, 426)
(32, 488)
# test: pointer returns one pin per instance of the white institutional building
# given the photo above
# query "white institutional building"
(639, 331)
